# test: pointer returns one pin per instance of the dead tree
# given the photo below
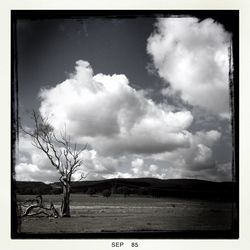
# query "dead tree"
(63, 155)
(39, 209)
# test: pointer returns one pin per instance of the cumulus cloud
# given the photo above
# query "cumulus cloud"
(33, 164)
(113, 117)
(129, 135)
(192, 57)
(140, 168)
(194, 158)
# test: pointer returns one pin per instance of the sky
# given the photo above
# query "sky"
(150, 96)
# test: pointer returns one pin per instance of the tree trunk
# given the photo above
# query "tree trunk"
(65, 207)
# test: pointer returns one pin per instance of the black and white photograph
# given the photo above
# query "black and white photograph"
(124, 124)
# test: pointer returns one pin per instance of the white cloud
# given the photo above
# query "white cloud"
(153, 168)
(137, 163)
(198, 156)
(192, 56)
(114, 118)
(181, 163)
(31, 172)
(130, 135)
(204, 154)
(207, 137)
(33, 164)
(224, 171)
(144, 169)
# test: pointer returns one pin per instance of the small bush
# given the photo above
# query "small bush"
(124, 190)
(91, 191)
(106, 193)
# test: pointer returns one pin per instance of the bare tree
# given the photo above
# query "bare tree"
(62, 154)
(39, 209)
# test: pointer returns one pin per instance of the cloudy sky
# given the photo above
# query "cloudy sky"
(149, 95)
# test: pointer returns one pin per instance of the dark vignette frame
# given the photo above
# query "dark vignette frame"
(229, 18)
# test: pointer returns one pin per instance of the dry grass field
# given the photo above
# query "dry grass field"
(96, 214)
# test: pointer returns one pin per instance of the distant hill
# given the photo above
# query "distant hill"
(28, 187)
(186, 188)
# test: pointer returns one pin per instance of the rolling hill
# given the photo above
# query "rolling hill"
(186, 188)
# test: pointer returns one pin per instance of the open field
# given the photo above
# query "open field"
(95, 214)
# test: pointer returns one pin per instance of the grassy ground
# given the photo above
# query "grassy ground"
(118, 214)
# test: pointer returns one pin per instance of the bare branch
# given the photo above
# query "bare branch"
(83, 176)
(62, 180)
(62, 154)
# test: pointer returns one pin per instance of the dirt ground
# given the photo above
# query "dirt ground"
(95, 214)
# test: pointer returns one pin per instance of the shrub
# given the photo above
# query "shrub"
(124, 190)
(91, 191)
(106, 193)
